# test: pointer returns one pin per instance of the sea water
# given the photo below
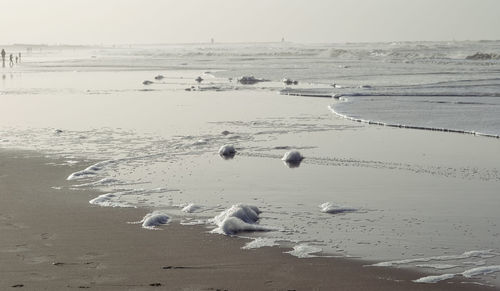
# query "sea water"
(156, 146)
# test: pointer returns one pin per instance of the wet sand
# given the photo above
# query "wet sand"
(52, 239)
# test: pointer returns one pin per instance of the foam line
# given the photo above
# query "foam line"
(410, 126)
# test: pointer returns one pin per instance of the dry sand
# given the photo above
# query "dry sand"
(54, 240)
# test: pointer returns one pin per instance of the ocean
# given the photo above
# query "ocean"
(398, 196)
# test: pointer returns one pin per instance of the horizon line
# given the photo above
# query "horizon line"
(227, 42)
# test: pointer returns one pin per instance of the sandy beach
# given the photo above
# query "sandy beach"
(124, 133)
(52, 239)
(235, 145)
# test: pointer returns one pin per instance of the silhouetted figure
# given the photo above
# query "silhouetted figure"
(3, 58)
(11, 60)
(19, 57)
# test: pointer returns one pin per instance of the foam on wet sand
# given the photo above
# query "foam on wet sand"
(191, 207)
(465, 255)
(329, 207)
(154, 219)
(227, 150)
(89, 249)
(90, 171)
(238, 218)
(304, 251)
(292, 157)
(470, 273)
(259, 243)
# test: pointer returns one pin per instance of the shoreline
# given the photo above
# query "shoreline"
(371, 122)
(340, 98)
(54, 239)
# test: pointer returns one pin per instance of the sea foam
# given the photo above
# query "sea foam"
(190, 208)
(106, 200)
(259, 243)
(90, 171)
(304, 251)
(292, 157)
(113, 199)
(331, 208)
(465, 255)
(479, 271)
(154, 219)
(237, 218)
(227, 150)
(434, 278)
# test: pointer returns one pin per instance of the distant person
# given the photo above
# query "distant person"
(17, 59)
(3, 58)
(19, 56)
(11, 60)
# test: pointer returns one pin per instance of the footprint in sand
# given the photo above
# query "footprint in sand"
(7, 223)
(90, 256)
(38, 260)
(92, 260)
(46, 236)
(16, 249)
(40, 277)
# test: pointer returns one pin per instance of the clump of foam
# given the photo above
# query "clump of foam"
(113, 199)
(106, 200)
(479, 271)
(292, 157)
(304, 251)
(227, 151)
(89, 171)
(154, 219)
(201, 141)
(434, 278)
(259, 243)
(190, 208)
(237, 218)
(331, 208)
(470, 254)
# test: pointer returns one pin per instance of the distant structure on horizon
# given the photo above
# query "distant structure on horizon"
(212, 40)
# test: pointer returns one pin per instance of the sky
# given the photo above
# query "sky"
(180, 21)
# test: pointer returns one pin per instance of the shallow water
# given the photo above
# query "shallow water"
(411, 195)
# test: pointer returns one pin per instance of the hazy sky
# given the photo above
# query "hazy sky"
(169, 21)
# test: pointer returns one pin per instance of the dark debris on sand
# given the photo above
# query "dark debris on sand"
(155, 284)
